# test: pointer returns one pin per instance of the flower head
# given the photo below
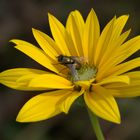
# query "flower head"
(81, 62)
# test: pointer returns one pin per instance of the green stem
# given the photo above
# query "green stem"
(96, 125)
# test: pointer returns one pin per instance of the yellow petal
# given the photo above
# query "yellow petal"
(119, 25)
(79, 21)
(124, 67)
(110, 57)
(120, 69)
(103, 41)
(121, 53)
(115, 38)
(127, 49)
(66, 103)
(102, 104)
(10, 77)
(75, 26)
(47, 44)
(41, 107)
(115, 79)
(90, 36)
(59, 34)
(109, 41)
(69, 29)
(35, 53)
(123, 90)
(50, 81)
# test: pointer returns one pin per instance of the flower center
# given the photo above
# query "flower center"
(84, 77)
(84, 73)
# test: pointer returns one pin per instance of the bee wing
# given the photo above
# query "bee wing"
(79, 60)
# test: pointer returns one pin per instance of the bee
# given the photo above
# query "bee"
(66, 60)
(72, 62)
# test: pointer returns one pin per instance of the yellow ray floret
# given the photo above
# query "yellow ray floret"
(47, 44)
(50, 81)
(47, 105)
(19, 78)
(35, 53)
(74, 27)
(90, 36)
(123, 90)
(103, 104)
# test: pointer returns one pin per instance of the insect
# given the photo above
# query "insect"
(72, 62)
(66, 60)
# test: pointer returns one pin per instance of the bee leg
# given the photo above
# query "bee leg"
(73, 71)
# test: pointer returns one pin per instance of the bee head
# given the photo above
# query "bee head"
(60, 58)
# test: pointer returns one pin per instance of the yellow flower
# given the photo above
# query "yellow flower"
(98, 71)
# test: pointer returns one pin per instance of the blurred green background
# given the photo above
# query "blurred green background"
(17, 17)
